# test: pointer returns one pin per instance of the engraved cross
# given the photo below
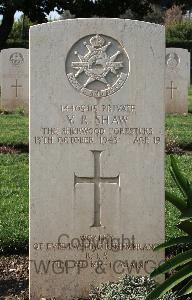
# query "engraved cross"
(97, 180)
(172, 88)
(16, 86)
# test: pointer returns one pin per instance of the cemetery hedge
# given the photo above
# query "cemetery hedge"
(179, 32)
(16, 44)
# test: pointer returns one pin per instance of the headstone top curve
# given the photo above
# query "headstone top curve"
(94, 20)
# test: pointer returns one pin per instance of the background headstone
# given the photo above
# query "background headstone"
(177, 80)
(96, 153)
(15, 79)
(189, 63)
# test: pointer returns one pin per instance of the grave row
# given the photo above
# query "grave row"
(97, 90)
(14, 79)
(97, 112)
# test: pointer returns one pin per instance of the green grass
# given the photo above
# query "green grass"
(13, 202)
(13, 129)
(190, 100)
(179, 130)
(179, 127)
(172, 215)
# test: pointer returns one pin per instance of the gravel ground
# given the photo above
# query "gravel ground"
(8, 150)
(14, 277)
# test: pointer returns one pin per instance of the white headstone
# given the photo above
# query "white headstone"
(189, 69)
(15, 79)
(97, 153)
(177, 80)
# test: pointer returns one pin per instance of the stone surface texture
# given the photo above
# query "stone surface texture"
(96, 153)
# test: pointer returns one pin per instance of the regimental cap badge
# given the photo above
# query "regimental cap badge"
(172, 60)
(16, 58)
(101, 70)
